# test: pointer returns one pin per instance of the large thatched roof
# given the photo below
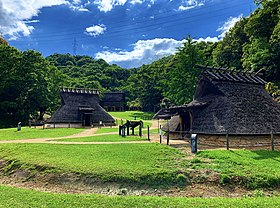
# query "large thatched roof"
(75, 103)
(232, 101)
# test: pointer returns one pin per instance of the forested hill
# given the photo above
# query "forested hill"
(29, 83)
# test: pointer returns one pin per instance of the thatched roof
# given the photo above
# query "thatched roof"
(113, 97)
(232, 101)
(76, 102)
(162, 114)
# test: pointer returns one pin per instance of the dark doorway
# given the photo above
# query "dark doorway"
(87, 119)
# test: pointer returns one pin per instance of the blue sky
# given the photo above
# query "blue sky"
(125, 32)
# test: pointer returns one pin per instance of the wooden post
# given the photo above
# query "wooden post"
(54, 125)
(29, 123)
(132, 131)
(227, 140)
(167, 137)
(43, 125)
(160, 136)
(69, 125)
(35, 124)
(272, 141)
(128, 126)
(148, 132)
(167, 133)
(140, 130)
(120, 130)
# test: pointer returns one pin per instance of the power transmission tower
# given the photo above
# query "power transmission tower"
(75, 47)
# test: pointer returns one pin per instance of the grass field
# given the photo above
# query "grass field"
(31, 133)
(253, 168)
(15, 197)
(105, 138)
(151, 164)
(133, 115)
(130, 115)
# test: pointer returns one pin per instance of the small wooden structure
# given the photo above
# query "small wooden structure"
(113, 101)
(124, 129)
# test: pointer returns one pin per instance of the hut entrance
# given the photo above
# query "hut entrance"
(87, 117)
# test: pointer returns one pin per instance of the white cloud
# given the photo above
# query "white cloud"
(190, 4)
(15, 15)
(144, 52)
(108, 5)
(208, 39)
(95, 30)
(228, 24)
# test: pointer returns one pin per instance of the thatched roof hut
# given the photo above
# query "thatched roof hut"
(228, 101)
(113, 101)
(80, 107)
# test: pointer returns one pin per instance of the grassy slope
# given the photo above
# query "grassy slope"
(31, 133)
(105, 138)
(152, 164)
(256, 168)
(14, 197)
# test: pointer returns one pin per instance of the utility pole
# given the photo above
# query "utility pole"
(75, 47)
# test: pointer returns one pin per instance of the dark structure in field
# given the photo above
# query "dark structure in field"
(113, 101)
(80, 107)
(230, 102)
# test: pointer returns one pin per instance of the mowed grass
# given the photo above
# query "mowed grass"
(31, 133)
(105, 138)
(254, 169)
(15, 197)
(133, 115)
(151, 164)
(130, 115)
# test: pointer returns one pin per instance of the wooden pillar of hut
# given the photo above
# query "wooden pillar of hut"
(181, 126)
(191, 121)
(127, 126)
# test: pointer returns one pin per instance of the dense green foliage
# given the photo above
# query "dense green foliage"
(32, 133)
(15, 197)
(151, 164)
(252, 169)
(29, 83)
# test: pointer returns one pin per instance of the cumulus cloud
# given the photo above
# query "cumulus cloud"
(144, 52)
(15, 15)
(190, 4)
(228, 24)
(108, 5)
(95, 30)
(208, 39)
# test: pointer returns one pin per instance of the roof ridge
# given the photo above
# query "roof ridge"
(232, 75)
(79, 90)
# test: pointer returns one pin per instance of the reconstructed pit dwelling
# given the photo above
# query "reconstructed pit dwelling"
(227, 102)
(80, 108)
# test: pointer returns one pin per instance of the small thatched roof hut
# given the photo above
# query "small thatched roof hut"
(80, 107)
(113, 101)
(228, 101)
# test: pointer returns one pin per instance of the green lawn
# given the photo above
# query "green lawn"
(15, 197)
(105, 138)
(131, 115)
(31, 133)
(151, 164)
(106, 130)
(251, 168)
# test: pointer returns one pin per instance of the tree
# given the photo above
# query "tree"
(182, 77)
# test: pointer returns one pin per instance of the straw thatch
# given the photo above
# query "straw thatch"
(113, 101)
(81, 106)
(230, 101)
